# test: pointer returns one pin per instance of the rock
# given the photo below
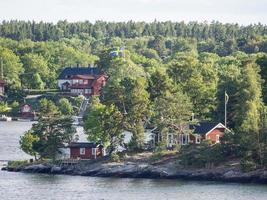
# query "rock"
(56, 170)
(144, 170)
(4, 168)
(40, 168)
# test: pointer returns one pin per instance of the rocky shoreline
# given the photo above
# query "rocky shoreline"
(144, 170)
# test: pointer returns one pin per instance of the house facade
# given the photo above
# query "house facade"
(196, 134)
(86, 150)
(207, 131)
(86, 81)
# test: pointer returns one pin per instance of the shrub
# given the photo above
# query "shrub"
(17, 163)
(247, 165)
(114, 157)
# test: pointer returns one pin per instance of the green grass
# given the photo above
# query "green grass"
(17, 163)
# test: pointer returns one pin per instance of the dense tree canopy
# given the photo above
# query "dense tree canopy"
(151, 68)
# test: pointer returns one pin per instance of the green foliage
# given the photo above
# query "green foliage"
(4, 107)
(15, 107)
(26, 142)
(247, 165)
(11, 66)
(114, 157)
(203, 155)
(50, 133)
(104, 123)
(17, 163)
(65, 107)
(167, 71)
(172, 113)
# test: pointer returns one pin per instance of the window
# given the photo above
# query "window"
(217, 138)
(82, 151)
(75, 81)
(170, 139)
(80, 82)
(184, 139)
(85, 82)
(94, 151)
(88, 91)
(198, 139)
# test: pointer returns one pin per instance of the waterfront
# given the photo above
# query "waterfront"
(48, 187)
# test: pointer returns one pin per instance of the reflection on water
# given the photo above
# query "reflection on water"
(21, 186)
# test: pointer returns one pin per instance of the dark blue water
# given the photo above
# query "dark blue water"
(21, 186)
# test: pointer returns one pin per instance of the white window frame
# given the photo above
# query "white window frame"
(88, 91)
(93, 151)
(198, 139)
(75, 81)
(217, 138)
(184, 139)
(82, 151)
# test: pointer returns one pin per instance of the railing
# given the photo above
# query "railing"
(83, 107)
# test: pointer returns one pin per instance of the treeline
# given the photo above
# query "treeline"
(247, 38)
(48, 31)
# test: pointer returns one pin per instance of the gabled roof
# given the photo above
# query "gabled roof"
(84, 145)
(84, 77)
(71, 71)
(203, 128)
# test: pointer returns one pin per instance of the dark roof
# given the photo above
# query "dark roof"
(203, 127)
(70, 71)
(83, 145)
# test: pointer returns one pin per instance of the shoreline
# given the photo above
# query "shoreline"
(144, 170)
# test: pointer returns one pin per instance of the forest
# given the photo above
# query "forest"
(166, 72)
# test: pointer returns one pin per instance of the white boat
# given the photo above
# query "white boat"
(5, 118)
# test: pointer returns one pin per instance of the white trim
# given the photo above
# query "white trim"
(219, 125)
(94, 152)
(197, 139)
(217, 138)
(184, 139)
(82, 151)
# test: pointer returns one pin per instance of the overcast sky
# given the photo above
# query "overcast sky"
(241, 11)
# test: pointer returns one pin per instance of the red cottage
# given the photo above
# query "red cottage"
(86, 150)
(207, 131)
(202, 131)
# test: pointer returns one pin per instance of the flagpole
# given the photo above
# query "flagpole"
(225, 113)
(226, 97)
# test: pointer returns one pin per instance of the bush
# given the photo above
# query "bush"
(247, 165)
(114, 157)
(17, 163)
(203, 155)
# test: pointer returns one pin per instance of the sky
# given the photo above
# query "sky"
(227, 11)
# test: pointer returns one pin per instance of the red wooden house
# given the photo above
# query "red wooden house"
(207, 131)
(86, 81)
(196, 133)
(86, 150)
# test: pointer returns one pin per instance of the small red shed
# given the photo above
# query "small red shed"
(26, 111)
(207, 131)
(86, 150)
